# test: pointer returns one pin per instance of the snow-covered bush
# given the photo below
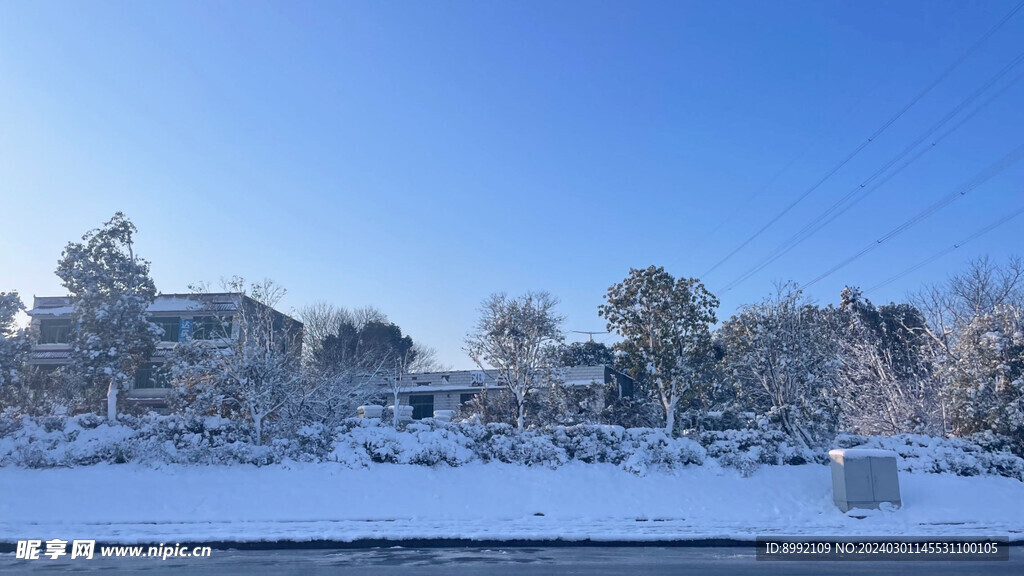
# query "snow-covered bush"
(9, 424)
(920, 453)
(744, 450)
(429, 443)
(436, 443)
(591, 444)
(52, 442)
(652, 449)
(87, 439)
(530, 447)
(383, 445)
(748, 449)
(314, 441)
(155, 440)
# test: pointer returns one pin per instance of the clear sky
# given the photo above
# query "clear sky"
(418, 156)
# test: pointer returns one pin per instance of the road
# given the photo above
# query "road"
(513, 561)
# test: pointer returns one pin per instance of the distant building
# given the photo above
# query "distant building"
(209, 317)
(427, 392)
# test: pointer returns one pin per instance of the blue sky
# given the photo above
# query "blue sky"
(419, 156)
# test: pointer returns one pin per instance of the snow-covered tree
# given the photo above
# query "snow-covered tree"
(251, 370)
(517, 337)
(397, 382)
(330, 397)
(359, 340)
(585, 354)
(783, 358)
(569, 405)
(951, 306)
(112, 290)
(987, 378)
(975, 318)
(353, 354)
(14, 342)
(666, 336)
(887, 384)
(323, 320)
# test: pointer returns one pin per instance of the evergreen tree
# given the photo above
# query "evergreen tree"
(14, 343)
(585, 354)
(987, 381)
(666, 329)
(353, 347)
(112, 291)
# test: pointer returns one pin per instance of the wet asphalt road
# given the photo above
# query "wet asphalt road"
(496, 561)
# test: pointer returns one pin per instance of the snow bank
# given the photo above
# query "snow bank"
(306, 501)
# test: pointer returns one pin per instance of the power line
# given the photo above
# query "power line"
(746, 202)
(956, 63)
(862, 191)
(948, 249)
(1002, 164)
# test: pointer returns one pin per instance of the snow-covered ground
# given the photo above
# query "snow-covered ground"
(133, 503)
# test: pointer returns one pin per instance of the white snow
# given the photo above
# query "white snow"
(160, 304)
(480, 501)
(174, 304)
(853, 453)
(52, 311)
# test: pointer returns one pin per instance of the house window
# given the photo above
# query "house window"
(422, 406)
(211, 327)
(152, 376)
(463, 398)
(54, 331)
(170, 326)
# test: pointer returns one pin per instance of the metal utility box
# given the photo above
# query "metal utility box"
(370, 411)
(864, 478)
(404, 412)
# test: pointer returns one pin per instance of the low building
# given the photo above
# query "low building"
(428, 392)
(209, 317)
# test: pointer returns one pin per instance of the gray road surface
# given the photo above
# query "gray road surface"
(655, 561)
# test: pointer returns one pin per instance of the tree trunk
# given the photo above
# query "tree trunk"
(394, 411)
(257, 422)
(670, 417)
(521, 417)
(483, 402)
(794, 431)
(112, 400)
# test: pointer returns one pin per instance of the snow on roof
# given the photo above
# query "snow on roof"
(51, 311)
(219, 302)
(852, 453)
(51, 354)
(174, 304)
(581, 382)
(429, 388)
